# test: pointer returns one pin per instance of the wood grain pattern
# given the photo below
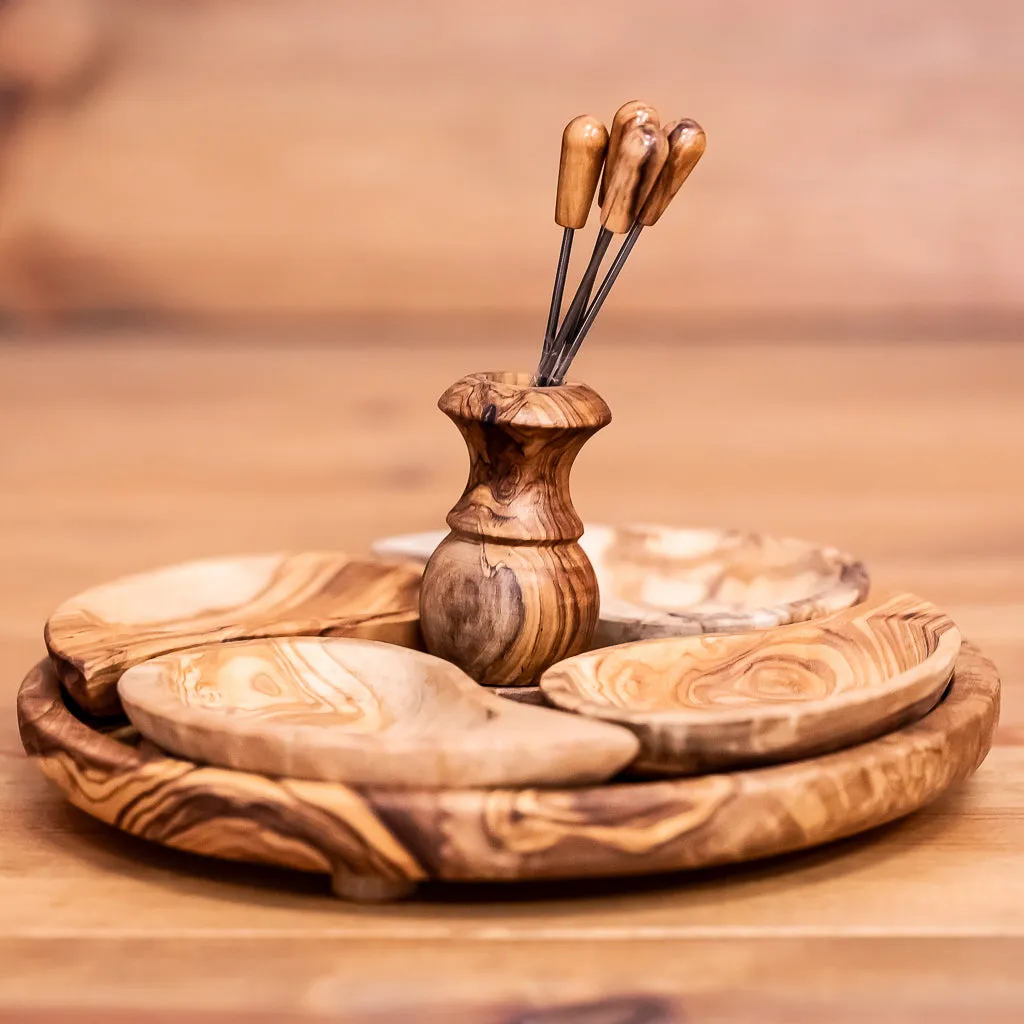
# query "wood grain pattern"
(658, 580)
(509, 591)
(360, 712)
(98, 634)
(919, 921)
(686, 144)
(678, 582)
(398, 837)
(638, 162)
(631, 113)
(705, 703)
(584, 142)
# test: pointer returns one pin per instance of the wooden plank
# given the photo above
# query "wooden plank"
(139, 449)
(179, 441)
(303, 158)
(800, 981)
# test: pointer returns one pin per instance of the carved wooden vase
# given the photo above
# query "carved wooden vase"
(509, 591)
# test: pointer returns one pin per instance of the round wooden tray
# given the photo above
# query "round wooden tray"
(378, 843)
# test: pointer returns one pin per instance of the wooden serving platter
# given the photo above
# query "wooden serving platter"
(97, 635)
(666, 581)
(703, 703)
(357, 711)
(378, 843)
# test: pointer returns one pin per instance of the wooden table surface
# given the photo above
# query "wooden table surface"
(122, 452)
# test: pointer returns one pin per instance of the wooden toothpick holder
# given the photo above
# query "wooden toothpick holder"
(509, 591)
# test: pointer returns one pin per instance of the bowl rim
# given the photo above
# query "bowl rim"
(938, 665)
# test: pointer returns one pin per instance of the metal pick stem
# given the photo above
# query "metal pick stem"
(567, 355)
(577, 308)
(556, 295)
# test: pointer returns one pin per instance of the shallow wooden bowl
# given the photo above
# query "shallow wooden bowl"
(361, 712)
(94, 637)
(378, 843)
(663, 581)
(704, 703)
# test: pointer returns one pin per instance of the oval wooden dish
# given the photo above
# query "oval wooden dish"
(704, 703)
(357, 711)
(664, 581)
(378, 843)
(95, 636)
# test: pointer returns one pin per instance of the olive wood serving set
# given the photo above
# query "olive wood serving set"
(688, 694)
(679, 698)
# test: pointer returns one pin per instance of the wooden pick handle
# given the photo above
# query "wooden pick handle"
(635, 112)
(641, 156)
(584, 142)
(686, 142)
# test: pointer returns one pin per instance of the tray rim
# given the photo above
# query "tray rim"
(391, 839)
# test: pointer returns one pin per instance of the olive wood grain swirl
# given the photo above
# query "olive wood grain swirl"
(355, 711)
(658, 581)
(631, 113)
(641, 156)
(509, 591)
(704, 703)
(686, 144)
(98, 634)
(377, 842)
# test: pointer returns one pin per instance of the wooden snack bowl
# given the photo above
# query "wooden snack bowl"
(664, 581)
(95, 636)
(703, 703)
(378, 843)
(359, 712)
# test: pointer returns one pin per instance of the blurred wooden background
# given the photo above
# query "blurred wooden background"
(282, 159)
(227, 174)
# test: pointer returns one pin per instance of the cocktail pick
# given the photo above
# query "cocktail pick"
(635, 112)
(686, 143)
(641, 158)
(584, 142)
(640, 155)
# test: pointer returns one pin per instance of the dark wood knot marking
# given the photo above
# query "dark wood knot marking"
(616, 1010)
